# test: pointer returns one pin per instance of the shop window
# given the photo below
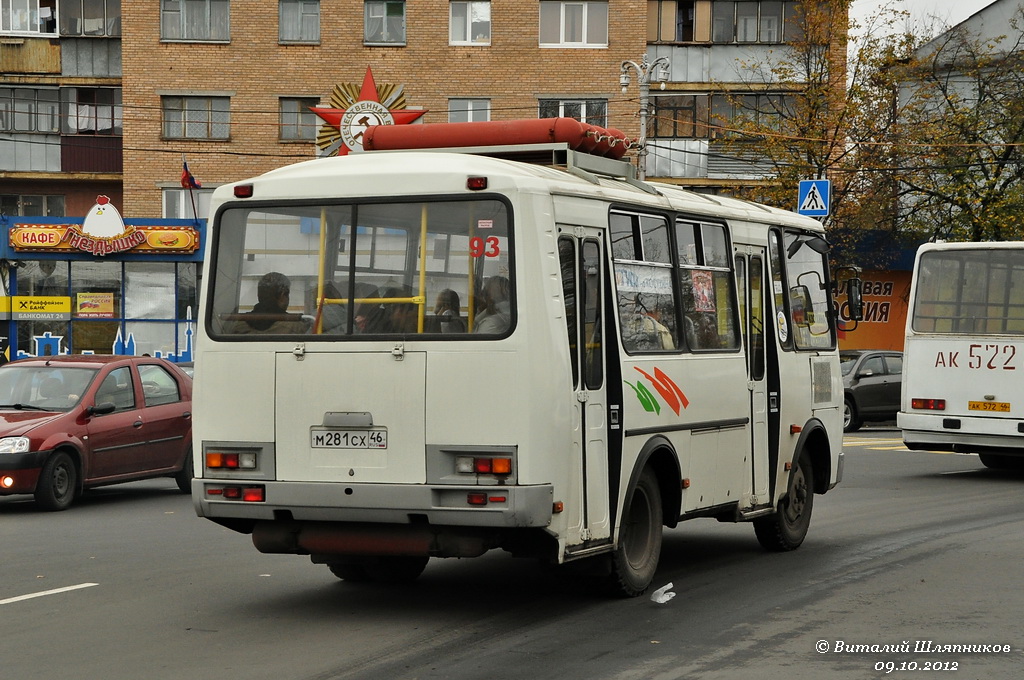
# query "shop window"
(147, 285)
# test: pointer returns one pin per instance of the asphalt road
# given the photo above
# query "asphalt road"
(913, 547)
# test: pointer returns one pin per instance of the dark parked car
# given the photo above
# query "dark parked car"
(871, 383)
(68, 423)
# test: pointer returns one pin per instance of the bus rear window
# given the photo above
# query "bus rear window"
(440, 268)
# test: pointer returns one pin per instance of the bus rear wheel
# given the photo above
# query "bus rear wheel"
(787, 527)
(636, 558)
(997, 461)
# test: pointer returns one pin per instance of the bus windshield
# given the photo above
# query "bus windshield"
(970, 291)
(440, 268)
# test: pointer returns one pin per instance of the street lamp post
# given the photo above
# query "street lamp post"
(644, 71)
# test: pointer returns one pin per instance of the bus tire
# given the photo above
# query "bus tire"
(851, 420)
(786, 528)
(995, 461)
(58, 482)
(635, 560)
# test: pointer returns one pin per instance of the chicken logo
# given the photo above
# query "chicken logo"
(103, 231)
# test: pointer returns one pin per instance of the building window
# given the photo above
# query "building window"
(195, 20)
(593, 111)
(297, 121)
(469, 110)
(573, 24)
(470, 23)
(28, 16)
(32, 205)
(101, 18)
(300, 21)
(26, 109)
(91, 111)
(196, 117)
(384, 22)
(178, 203)
(682, 116)
(738, 21)
(731, 114)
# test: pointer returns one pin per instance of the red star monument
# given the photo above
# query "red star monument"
(361, 114)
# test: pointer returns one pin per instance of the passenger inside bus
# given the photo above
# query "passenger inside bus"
(447, 313)
(270, 313)
(496, 313)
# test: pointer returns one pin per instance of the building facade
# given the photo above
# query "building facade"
(110, 97)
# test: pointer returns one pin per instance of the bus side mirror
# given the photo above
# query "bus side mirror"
(855, 298)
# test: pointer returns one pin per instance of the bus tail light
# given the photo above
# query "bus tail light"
(218, 460)
(500, 466)
(928, 404)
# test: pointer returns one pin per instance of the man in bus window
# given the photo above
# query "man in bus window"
(270, 313)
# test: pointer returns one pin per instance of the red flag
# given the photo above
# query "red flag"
(187, 180)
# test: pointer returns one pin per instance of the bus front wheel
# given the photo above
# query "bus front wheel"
(787, 527)
(636, 558)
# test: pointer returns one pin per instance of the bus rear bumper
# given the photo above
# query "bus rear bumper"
(471, 506)
(961, 434)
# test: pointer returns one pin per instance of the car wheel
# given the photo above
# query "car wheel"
(58, 482)
(851, 420)
(787, 527)
(636, 558)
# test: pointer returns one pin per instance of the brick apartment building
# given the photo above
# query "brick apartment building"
(104, 96)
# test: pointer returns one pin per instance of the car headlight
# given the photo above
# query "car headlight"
(14, 445)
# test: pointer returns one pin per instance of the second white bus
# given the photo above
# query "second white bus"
(963, 365)
(475, 353)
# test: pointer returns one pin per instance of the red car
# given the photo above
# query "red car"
(68, 423)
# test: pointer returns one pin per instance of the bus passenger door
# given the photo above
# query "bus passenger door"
(750, 275)
(583, 271)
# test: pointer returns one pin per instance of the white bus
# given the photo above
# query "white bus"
(415, 354)
(963, 365)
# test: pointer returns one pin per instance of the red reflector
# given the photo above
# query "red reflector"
(497, 499)
(928, 404)
(253, 494)
(243, 191)
(476, 498)
(476, 183)
(232, 492)
(214, 492)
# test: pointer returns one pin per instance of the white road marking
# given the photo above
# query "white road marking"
(47, 592)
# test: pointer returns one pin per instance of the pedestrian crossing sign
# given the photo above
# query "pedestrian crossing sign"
(813, 197)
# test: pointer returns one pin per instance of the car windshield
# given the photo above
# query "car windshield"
(847, 360)
(47, 388)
